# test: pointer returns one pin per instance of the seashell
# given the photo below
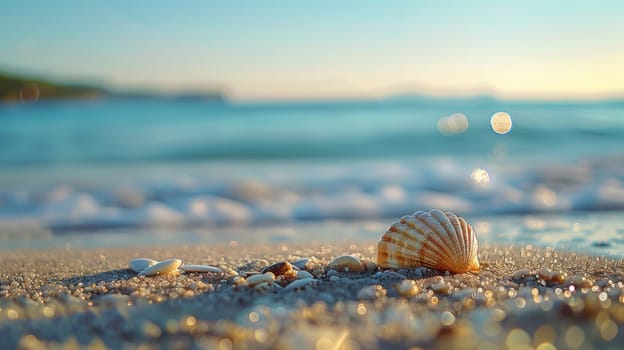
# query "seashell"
(200, 268)
(140, 264)
(162, 268)
(281, 269)
(347, 263)
(434, 239)
(254, 280)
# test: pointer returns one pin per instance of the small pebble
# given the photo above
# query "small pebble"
(301, 263)
(346, 263)
(407, 288)
(304, 274)
(238, 281)
(299, 284)
(254, 280)
(371, 292)
(162, 268)
(282, 269)
(200, 268)
(139, 264)
(441, 287)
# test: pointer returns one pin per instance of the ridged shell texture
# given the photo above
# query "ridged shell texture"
(434, 239)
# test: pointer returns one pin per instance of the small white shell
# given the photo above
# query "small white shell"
(162, 268)
(346, 263)
(139, 264)
(254, 280)
(200, 268)
(434, 239)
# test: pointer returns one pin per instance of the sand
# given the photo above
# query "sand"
(90, 299)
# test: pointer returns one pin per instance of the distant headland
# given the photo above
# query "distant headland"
(15, 88)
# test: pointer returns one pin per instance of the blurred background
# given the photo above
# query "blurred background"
(155, 122)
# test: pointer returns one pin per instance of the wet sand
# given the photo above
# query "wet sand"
(91, 299)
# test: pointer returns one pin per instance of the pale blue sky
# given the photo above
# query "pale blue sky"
(318, 49)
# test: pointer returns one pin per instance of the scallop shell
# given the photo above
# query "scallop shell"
(434, 239)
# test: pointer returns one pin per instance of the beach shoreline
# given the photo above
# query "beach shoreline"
(59, 298)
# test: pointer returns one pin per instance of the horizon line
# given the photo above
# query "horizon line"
(354, 95)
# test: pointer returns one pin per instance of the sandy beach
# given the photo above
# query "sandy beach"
(523, 297)
(324, 175)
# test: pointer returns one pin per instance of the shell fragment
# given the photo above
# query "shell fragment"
(162, 268)
(140, 264)
(346, 263)
(200, 268)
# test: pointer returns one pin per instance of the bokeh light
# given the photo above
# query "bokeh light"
(480, 176)
(501, 123)
(454, 124)
(447, 318)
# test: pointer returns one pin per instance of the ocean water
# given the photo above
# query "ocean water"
(194, 170)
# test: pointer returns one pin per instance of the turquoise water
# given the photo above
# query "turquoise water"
(116, 131)
(193, 168)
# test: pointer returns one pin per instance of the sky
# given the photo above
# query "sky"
(273, 50)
